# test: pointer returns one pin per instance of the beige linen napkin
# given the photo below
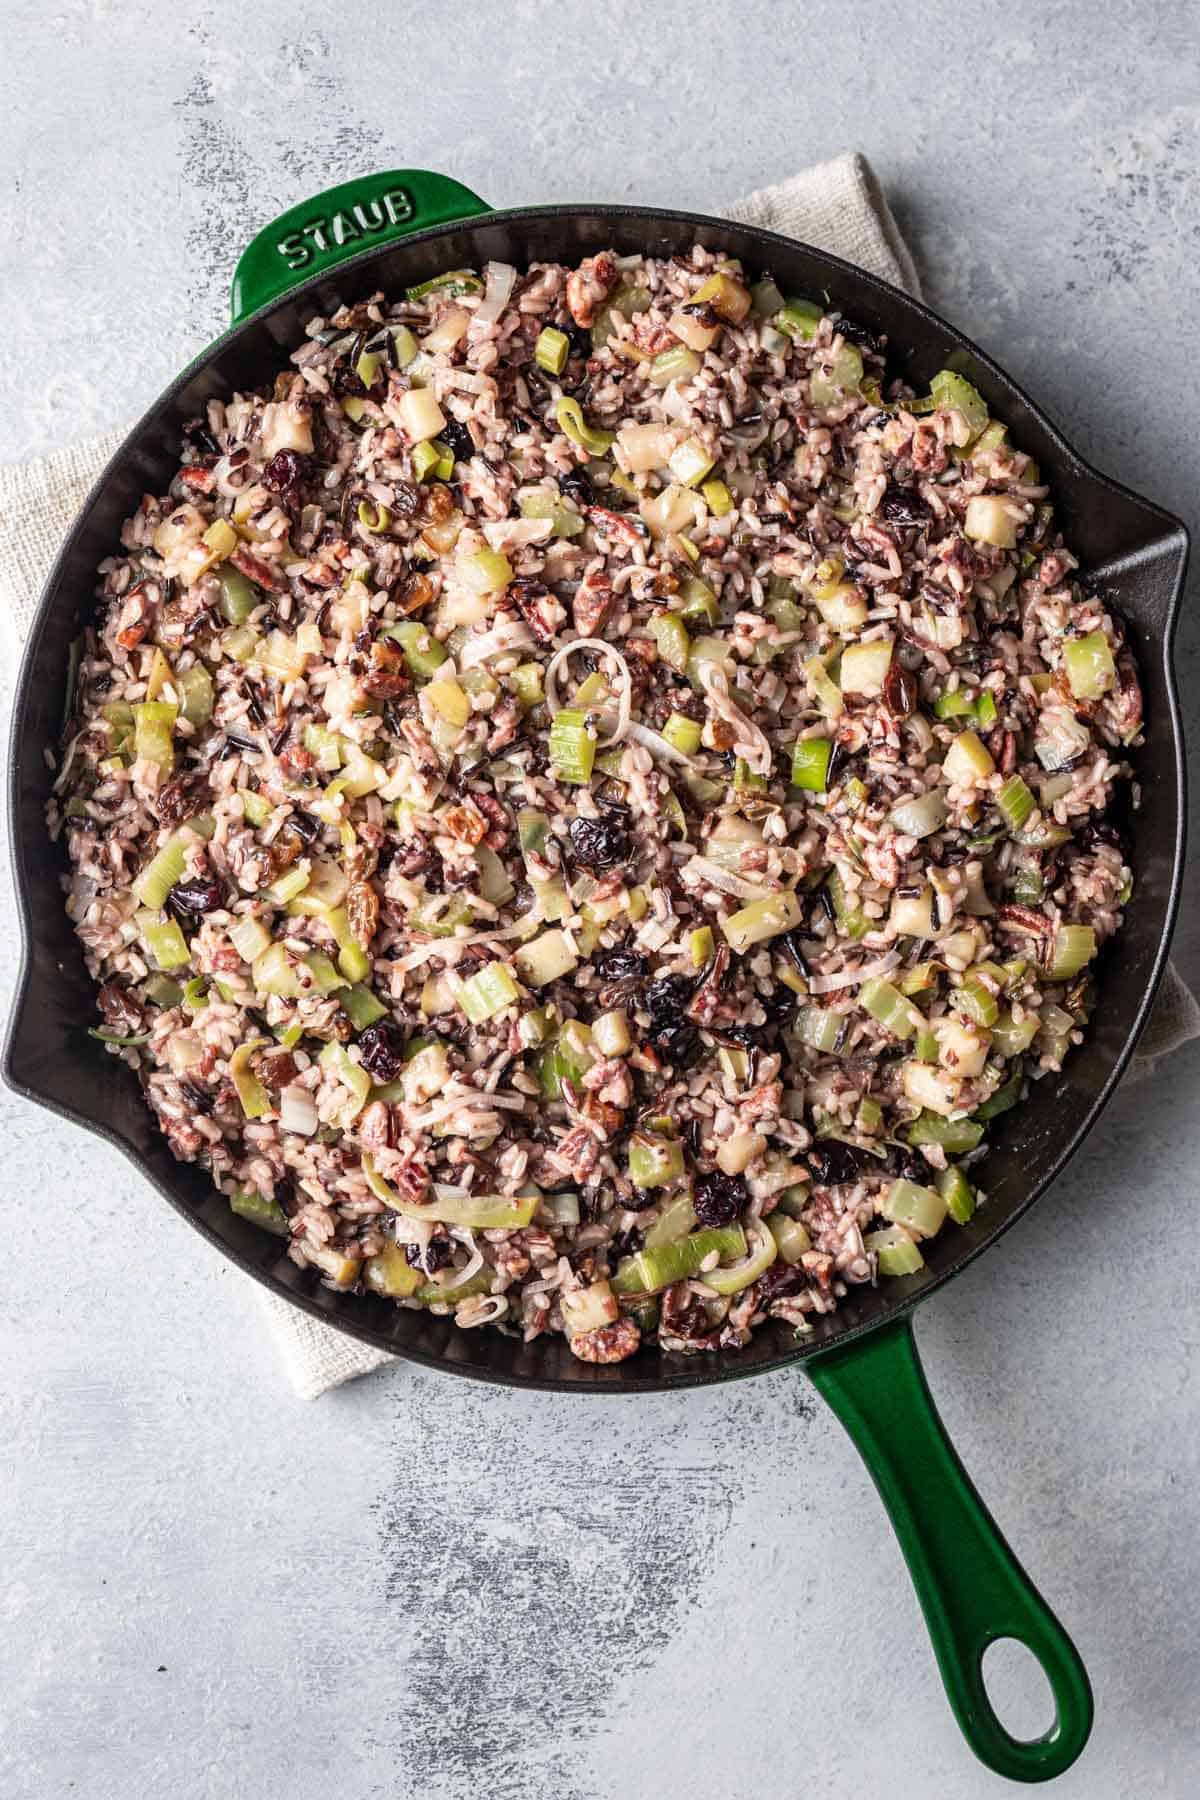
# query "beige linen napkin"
(838, 206)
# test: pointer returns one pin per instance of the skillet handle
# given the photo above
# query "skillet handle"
(318, 234)
(971, 1588)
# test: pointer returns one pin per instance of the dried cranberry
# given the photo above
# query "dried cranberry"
(671, 1034)
(903, 506)
(832, 1162)
(284, 476)
(191, 899)
(458, 440)
(718, 1198)
(599, 843)
(381, 1048)
(780, 1279)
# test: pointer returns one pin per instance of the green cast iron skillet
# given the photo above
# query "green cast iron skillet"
(393, 230)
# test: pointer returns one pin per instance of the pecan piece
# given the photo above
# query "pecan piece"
(607, 1344)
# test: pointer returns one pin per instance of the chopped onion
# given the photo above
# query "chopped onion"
(829, 984)
(700, 868)
(616, 730)
(506, 636)
(501, 279)
(297, 1111)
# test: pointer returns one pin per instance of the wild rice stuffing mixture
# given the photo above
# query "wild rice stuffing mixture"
(586, 797)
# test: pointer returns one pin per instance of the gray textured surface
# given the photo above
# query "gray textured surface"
(415, 1587)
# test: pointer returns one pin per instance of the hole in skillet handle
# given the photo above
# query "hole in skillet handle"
(317, 235)
(972, 1590)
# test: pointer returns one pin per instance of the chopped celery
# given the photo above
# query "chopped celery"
(745, 781)
(488, 992)
(293, 881)
(572, 747)
(820, 1028)
(953, 393)
(955, 1135)
(654, 1161)
(1074, 946)
(361, 1007)
(1016, 802)
(455, 1206)
(452, 283)
(548, 958)
(337, 1061)
(707, 650)
(682, 733)
(985, 709)
(390, 1272)
(850, 918)
(675, 1220)
(164, 940)
(690, 462)
(762, 919)
(844, 374)
(799, 320)
(653, 1269)
(810, 764)
(196, 692)
(431, 457)
(956, 703)
(540, 503)
(889, 1006)
(325, 978)
(670, 634)
(249, 937)
(256, 807)
(451, 1291)
(163, 991)
(968, 760)
(717, 498)
(919, 1209)
(1004, 1098)
(254, 1098)
(700, 946)
(422, 651)
(571, 422)
(526, 681)
(1089, 665)
(373, 517)
(420, 414)
(406, 345)
(700, 604)
(238, 598)
(449, 701)
(1010, 1038)
(551, 350)
(865, 666)
(485, 571)
(153, 725)
(896, 1252)
(826, 691)
(268, 1215)
(677, 364)
(161, 873)
(977, 1001)
(958, 1194)
(325, 745)
(791, 1239)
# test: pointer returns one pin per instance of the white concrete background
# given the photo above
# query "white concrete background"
(419, 1588)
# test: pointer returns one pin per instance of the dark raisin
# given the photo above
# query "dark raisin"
(832, 1162)
(671, 1033)
(191, 899)
(305, 826)
(904, 506)
(406, 499)
(858, 334)
(778, 1005)
(900, 690)
(904, 1163)
(718, 1198)
(622, 965)
(458, 440)
(579, 337)
(628, 1243)
(381, 1049)
(599, 843)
